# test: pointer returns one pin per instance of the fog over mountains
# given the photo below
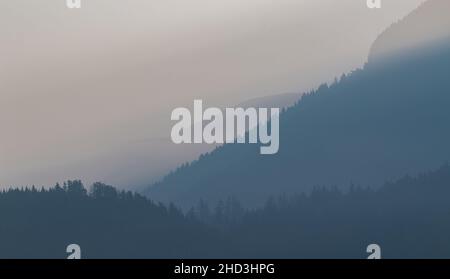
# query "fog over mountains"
(88, 93)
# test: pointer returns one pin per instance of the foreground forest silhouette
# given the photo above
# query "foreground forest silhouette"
(408, 218)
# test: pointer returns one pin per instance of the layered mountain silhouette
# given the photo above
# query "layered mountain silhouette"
(376, 124)
(386, 120)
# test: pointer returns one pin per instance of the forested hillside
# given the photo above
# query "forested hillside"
(374, 124)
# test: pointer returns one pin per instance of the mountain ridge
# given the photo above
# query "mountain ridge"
(371, 126)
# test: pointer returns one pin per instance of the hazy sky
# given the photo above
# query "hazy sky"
(88, 93)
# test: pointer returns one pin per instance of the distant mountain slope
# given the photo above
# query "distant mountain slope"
(274, 101)
(428, 24)
(376, 124)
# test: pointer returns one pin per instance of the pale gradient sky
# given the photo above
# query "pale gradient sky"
(88, 93)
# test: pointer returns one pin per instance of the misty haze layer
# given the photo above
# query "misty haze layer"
(88, 93)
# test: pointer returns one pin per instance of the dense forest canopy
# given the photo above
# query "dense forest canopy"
(407, 218)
